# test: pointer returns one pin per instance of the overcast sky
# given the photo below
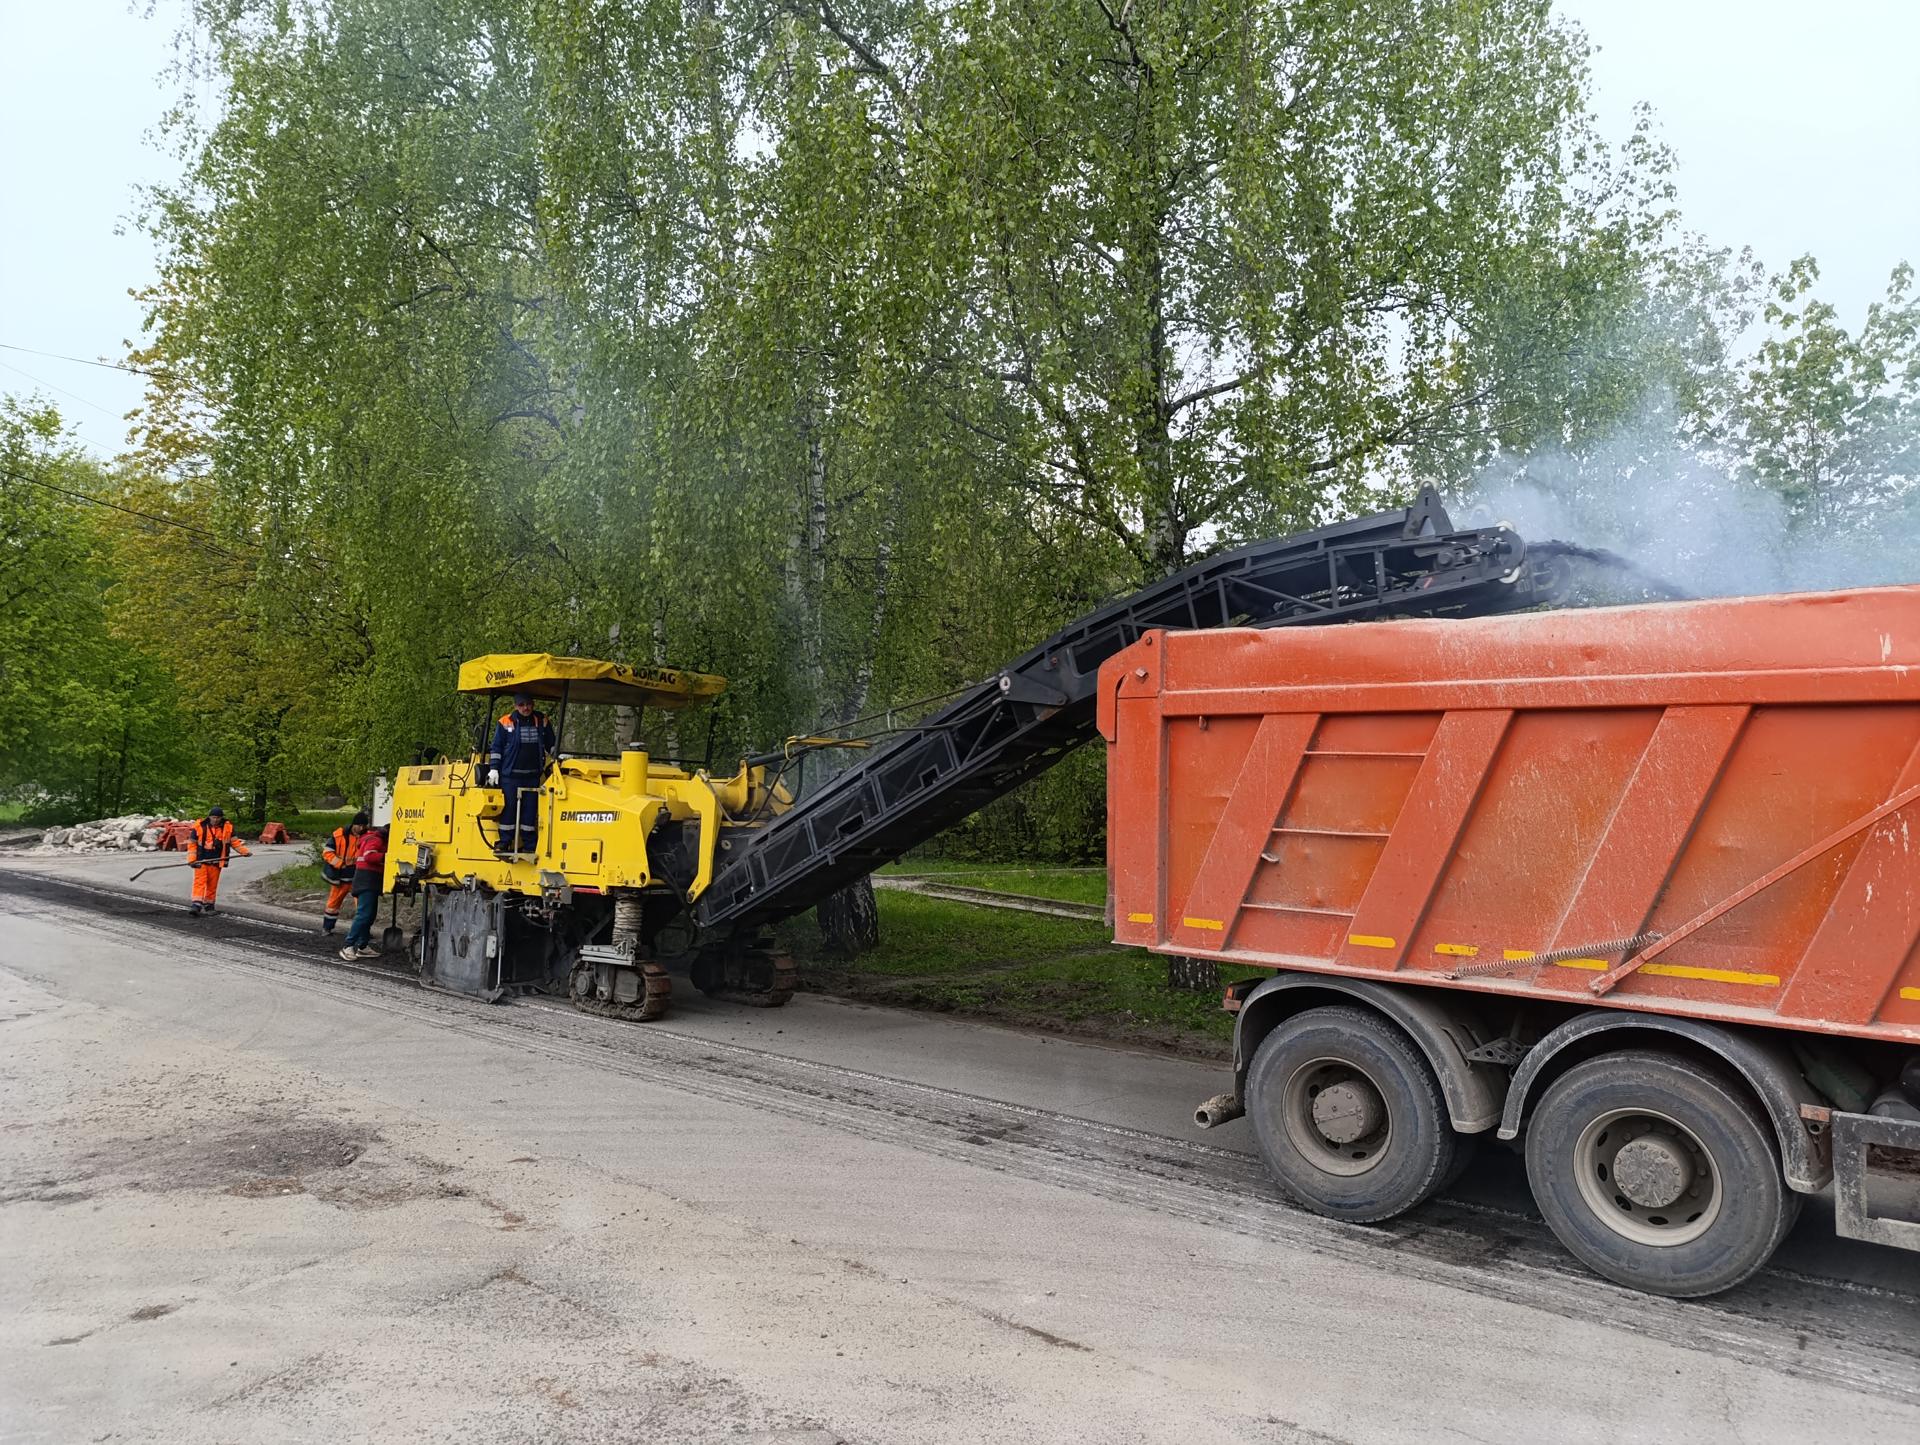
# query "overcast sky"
(1797, 126)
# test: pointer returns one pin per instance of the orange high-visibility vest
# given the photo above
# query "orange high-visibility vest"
(211, 843)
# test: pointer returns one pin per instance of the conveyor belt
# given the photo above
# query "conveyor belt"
(1016, 724)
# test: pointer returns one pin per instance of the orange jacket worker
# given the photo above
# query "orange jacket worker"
(213, 842)
(336, 866)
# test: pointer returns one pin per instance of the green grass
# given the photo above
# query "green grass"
(312, 824)
(920, 935)
(303, 876)
(311, 829)
(1030, 969)
(1069, 885)
(1122, 993)
(10, 812)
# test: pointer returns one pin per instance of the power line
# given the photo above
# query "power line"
(197, 532)
(105, 450)
(40, 381)
(311, 562)
(77, 360)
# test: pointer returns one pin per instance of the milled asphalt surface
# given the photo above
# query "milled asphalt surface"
(250, 1194)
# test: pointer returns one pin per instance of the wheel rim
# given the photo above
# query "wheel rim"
(1336, 1115)
(1647, 1177)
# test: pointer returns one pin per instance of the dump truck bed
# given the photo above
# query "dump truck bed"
(1703, 808)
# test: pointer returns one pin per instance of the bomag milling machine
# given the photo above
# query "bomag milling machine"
(640, 864)
(622, 846)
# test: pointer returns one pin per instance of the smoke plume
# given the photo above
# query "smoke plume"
(1642, 492)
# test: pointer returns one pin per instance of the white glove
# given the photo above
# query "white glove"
(493, 777)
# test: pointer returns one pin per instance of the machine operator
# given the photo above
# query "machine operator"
(522, 742)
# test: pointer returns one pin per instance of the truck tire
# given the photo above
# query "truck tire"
(1348, 1115)
(1658, 1173)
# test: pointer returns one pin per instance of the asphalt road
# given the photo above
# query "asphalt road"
(249, 1193)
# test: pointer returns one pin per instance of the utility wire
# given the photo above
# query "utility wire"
(102, 447)
(208, 539)
(198, 532)
(41, 381)
(77, 360)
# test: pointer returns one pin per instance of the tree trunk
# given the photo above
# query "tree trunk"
(266, 741)
(816, 563)
(1166, 533)
(877, 619)
(626, 720)
(807, 566)
(120, 768)
(670, 732)
(1166, 537)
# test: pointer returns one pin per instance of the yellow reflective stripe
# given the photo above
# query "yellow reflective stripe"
(1712, 975)
(1681, 970)
(1213, 924)
(1370, 940)
(1911, 993)
(1456, 950)
(1514, 955)
(1139, 918)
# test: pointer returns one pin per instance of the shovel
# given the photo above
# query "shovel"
(393, 936)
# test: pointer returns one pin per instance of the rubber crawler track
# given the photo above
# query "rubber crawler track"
(653, 1004)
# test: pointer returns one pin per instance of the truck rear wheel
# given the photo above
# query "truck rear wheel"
(1348, 1115)
(1658, 1173)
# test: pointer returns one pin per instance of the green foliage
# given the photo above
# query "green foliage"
(846, 351)
(1830, 419)
(88, 723)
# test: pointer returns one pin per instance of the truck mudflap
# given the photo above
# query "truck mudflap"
(1876, 1175)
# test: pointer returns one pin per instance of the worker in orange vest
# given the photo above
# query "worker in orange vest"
(213, 841)
(336, 867)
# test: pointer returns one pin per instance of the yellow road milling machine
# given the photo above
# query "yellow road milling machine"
(621, 845)
(638, 863)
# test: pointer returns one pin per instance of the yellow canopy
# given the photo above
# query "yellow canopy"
(585, 679)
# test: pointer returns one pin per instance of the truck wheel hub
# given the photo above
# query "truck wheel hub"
(1652, 1171)
(1647, 1177)
(1336, 1117)
(1347, 1111)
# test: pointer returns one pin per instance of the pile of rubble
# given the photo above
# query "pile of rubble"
(135, 833)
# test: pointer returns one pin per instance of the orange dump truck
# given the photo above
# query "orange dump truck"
(1639, 884)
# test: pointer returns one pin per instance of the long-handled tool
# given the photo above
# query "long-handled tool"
(156, 867)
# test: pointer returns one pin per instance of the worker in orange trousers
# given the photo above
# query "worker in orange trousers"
(336, 866)
(213, 843)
